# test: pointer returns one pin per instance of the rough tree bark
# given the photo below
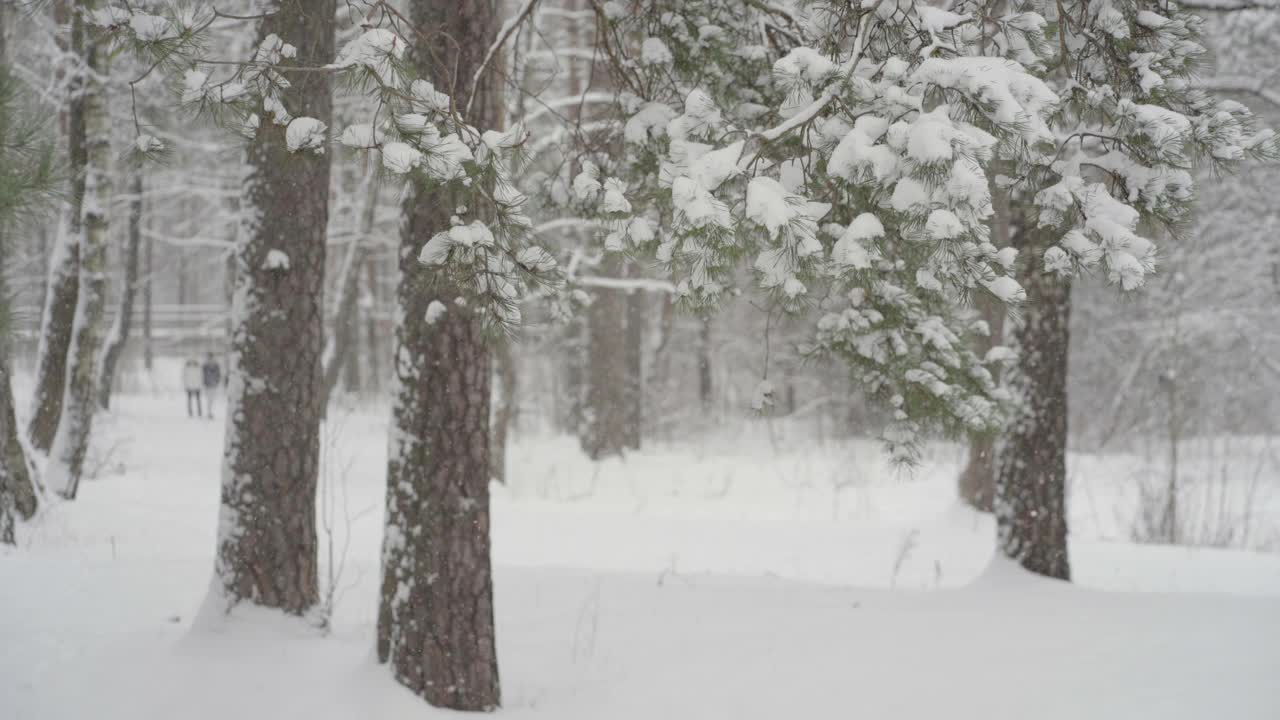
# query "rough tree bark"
(119, 334)
(62, 284)
(435, 620)
(266, 548)
(79, 401)
(1030, 506)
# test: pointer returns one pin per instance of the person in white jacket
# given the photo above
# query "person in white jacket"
(192, 380)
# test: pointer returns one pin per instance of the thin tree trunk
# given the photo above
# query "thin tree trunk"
(351, 373)
(229, 266)
(704, 366)
(977, 483)
(346, 306)
(657, 374)
(119, 335)
(435, 620)
(1031, 507)
(373, 338)
(636, 303)
(606, 417)
(62, 286)
(505, 407)
(572, 414)
(71, 441)
(1170, 523)
(17, 489)
(147, 280)
(181, 252)
(571, 409)
(17, 494)
(267, 550)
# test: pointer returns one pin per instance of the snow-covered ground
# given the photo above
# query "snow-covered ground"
(748, 575)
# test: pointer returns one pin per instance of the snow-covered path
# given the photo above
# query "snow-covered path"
(619, 600)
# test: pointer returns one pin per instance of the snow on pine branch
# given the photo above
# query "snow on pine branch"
(841, 184)
(859, 182)
(488, 252)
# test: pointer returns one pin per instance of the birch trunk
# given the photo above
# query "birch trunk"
(119, 335)
(62, 283)
(71, 441)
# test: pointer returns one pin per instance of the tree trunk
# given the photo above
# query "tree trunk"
(267, 550)
(636, 301)
(181, 252)
(1031, 507)
(351, 373)
(119, 335)
(571, 408)
(435, 620)
(606, 416)
(71, 441)
(17, 490)
(704, 366)
(17, 494)
(147, 349)
(977, 483)
(62, 286)
(505, 407)
(346, 307)
(373, 338)
(13, 460)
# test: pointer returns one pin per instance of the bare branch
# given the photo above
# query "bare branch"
(507, 30)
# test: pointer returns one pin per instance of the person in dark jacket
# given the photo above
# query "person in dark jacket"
(212, 372)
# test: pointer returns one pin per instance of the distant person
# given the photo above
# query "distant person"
(192, 380)
(212, 373)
